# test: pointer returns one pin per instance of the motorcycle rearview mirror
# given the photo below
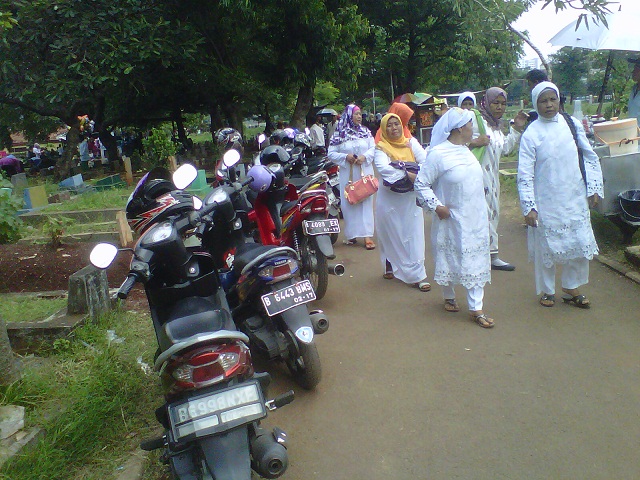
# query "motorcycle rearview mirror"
(184, 175)
(231, 157)
(261, 138)
(197, 203)
(102, 255)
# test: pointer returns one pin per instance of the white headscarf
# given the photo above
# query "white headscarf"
(453, 118)
(464, 95)
(538, 89)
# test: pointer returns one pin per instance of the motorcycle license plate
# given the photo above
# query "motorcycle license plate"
(321, 227)
(334, 181)
(217, 412)
(288, 297)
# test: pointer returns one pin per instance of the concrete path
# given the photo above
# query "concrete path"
(412, 392)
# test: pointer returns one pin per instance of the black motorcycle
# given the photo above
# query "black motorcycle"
(214, 400)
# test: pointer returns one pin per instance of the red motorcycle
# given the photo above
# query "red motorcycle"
(294, 212)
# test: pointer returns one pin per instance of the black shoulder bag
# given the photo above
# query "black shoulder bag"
(572, 127)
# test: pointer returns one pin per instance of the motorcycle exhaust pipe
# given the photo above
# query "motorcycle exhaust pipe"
(319, 321)
(269, 454)
(336, 269)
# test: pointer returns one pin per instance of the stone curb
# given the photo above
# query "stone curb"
(623, 270)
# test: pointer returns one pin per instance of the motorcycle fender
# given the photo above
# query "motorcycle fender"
(227, 455)
(325, 246)
(297, 320)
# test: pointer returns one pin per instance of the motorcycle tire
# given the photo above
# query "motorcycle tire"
(306, 369)
(318, 274)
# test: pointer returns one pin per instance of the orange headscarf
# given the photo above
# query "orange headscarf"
(405, 113)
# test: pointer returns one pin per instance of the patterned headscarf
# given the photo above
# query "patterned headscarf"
(453, 118)
(347, 130)
(396, 149)
(489, 97)
(464, 95)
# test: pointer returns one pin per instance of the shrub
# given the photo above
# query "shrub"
(9, 222)
(158, 147)
(54, 228)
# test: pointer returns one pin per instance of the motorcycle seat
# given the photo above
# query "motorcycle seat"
(299, 181)
(196, 315)
(249, 254)
(287, 206)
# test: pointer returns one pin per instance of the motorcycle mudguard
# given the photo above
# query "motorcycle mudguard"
(325, 246)
(298, 321)
(227, 455)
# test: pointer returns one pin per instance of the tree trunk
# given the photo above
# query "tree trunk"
(64, 165)
(303, 104)
(607, 73)
(10, 366)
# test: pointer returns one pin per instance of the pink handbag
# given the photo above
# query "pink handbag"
(357, 191)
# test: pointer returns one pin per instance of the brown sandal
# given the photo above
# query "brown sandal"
(369, 245)
(450, 305)
(482, 320)
(423, 286)
(548, 300)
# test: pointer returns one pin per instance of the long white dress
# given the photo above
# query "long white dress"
(358, 219)
(499, 145)
(452, 176)
(399, 221)
(549, 181)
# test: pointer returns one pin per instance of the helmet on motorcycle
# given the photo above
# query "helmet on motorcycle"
(228, 138)
(262, 178)
(302, 140)
(277, 137)
(278, 174)
(155, 198)
(274, 154)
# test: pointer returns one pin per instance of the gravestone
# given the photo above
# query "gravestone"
(73, 184)
(19, 182)
(35, 197)
(106, 183)
(88, 292)
(199, 186)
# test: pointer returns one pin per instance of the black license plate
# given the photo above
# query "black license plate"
(321, 227)
(288, 297)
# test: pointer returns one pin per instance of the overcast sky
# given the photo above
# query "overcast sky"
(544, 24)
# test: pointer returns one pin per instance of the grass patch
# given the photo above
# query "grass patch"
(115, 197)
(22, 308)
(91, 397)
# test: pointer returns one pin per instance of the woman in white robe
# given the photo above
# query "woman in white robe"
(450, 185)
(399, 221)
(351, 147)
(555, 200)
(496, 144)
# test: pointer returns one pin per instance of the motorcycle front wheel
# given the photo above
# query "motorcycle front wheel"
(306, 369)
(315, 266)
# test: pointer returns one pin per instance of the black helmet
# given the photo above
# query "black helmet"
(302, 140)
(154, 199)
(278, 136)
(274, 154)
(229, 138)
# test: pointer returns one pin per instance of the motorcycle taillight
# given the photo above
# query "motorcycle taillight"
(276, 273)
(209, 365)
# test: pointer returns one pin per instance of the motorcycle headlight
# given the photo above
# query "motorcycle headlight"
(157, 233)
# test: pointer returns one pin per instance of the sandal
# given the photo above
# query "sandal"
(423, 286)
(353, 241)
(388, 271)
(580, 301)
(482, 320)
(548, 300)
(450, 305)
(369, 245)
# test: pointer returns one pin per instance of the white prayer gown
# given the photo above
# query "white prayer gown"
(549, 181)
(399, 221)
(499, 145)
(452, 176)
(358, 219)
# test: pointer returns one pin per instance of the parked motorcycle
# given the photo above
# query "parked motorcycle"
(267, 297)
(293, 212)
(214, 401)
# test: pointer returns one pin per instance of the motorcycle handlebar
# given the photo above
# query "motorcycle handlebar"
(127, 285)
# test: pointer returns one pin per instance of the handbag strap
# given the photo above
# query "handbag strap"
(572, 127)
(362, 175)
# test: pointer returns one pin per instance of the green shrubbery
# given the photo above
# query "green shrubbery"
(158, 147)
(9, 223)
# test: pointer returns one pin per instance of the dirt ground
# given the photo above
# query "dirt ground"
(38, 268)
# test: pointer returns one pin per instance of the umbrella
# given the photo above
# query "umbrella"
(416, 98)
(327, 111)
(615, 35)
